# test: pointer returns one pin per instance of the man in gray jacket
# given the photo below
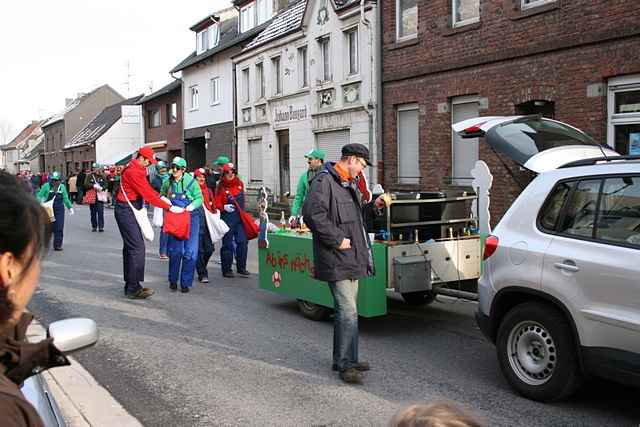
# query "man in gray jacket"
(341, 249)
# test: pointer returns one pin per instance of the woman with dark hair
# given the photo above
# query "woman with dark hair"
(24, 236)
(56, 191)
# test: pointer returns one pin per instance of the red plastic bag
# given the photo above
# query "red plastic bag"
(251, 229)
(89, 197)
(177, 224)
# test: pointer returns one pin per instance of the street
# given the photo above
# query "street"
(230, 354)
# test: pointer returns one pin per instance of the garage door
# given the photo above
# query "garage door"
(331, 143)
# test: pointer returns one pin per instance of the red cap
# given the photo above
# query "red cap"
(228, 167)
(199, 172)
(147, 153)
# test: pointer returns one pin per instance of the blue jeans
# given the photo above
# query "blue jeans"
(96, 211)
(183, 254)
(234, 241)
(164, 242)
(345, 326)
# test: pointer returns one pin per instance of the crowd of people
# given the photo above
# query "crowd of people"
(333, 209)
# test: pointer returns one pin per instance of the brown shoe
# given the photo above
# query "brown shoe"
(360, 366)
(351, 376)
(141, 294)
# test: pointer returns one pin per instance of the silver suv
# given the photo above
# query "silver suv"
(560, 291)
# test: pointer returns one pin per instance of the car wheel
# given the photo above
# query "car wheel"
(537, 352)
(313, 311)
(419, 298)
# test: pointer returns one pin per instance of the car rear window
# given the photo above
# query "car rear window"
(619, 211)
(550, 212)
(580, 214)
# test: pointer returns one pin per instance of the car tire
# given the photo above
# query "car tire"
(418, 299)
(314, 311)
(537, 352)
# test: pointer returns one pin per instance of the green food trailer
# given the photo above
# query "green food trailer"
(424, 245)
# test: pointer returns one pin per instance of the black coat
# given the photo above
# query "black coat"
(333, 211)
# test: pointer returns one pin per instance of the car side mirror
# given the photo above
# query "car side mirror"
(70, 335)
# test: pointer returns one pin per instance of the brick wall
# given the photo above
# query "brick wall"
(172, 133)
(508, 58)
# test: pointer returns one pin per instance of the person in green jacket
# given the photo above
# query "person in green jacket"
(56, 191)
(315, 159)
(183, 191)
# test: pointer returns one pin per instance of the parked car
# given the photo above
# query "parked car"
(69, 336)
(560, 295)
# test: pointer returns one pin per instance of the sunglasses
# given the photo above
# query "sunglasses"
(362, 161)
(229, 172)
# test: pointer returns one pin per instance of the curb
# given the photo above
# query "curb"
(81, 399)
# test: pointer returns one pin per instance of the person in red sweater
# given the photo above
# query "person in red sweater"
(230, 190)
(135, 189)
(205, 245)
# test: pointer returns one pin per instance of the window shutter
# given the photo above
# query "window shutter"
(255, 160)
(408, 152)
(331, 143)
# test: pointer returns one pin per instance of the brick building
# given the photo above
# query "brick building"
(447, 60)
(162, 111)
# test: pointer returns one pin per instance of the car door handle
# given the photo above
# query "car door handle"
(566, 267)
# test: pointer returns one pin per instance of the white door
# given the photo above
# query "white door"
(464, 151)
(591, 264)
(331, 143)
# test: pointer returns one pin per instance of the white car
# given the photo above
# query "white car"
(560, 291)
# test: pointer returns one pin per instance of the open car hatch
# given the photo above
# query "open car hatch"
(533, 142)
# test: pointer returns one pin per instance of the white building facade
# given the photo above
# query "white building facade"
(207, 84)
(307, 81)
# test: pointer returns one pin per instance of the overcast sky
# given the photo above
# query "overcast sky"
(52, 49)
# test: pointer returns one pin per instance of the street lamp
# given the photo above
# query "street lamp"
(207, 137)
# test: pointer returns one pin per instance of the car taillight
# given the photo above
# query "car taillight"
(490, 246)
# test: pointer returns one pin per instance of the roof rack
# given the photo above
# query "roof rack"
(590, 162)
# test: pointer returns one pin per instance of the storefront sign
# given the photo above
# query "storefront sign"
(290, 114)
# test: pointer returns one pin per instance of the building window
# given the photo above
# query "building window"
(465, 12)
(352, 43)
(624, 114)
(526, 4)
(264, 11)
(203, 41)
(195, 102)
(408, 152)
(303, 69)
(215, 90)
(325, 54)
(277, 75)
(247, 17)
(172, 113)
(259, 80)
(154, 118)
(255, 160)
(214, 35)
(245, 85)
(406, 19)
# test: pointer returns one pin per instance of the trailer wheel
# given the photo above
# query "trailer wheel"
(419, 298)
(313, 311)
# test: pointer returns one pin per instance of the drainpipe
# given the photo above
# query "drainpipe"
(378, 64)
(371, 106)
(235, 115)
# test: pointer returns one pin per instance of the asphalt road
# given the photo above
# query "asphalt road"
(230, 354)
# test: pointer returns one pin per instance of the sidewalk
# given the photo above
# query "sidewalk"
(81, 399)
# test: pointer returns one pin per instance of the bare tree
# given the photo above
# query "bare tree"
(6, 130)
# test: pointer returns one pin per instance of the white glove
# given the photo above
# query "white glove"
(176, 209)
(165, 200)
(71, 211)
(97, 187)
(189, 208)
(229, 208)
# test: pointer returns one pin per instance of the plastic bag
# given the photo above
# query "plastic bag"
(142, 218)
(158, 215)
(217, 227)
(48, 207)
